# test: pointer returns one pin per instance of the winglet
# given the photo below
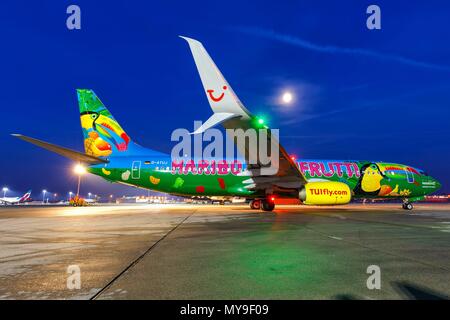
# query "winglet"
(221, 96)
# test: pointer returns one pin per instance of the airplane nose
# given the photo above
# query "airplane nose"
(438, 185)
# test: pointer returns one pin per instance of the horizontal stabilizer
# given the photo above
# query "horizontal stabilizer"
(68, 153)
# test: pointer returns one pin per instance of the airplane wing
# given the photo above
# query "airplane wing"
(232, 114)
(65, 152)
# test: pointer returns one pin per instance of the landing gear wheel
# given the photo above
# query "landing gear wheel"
(255, 204)
(267, 205)
(408, 206)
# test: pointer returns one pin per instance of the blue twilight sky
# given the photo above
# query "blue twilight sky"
(359, 94)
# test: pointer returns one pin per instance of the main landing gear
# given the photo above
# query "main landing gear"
(264, 204)
(407, 205)
(255, 204)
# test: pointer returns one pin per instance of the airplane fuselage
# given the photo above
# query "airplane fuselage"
(9, 200)
(366, 179)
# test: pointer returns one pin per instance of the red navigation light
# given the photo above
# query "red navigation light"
(293, 158)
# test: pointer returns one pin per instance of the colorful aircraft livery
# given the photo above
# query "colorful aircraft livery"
(329, 168)
(112, 154)
(364, 178)
(102, 134)
(207, 167)
(222, 167)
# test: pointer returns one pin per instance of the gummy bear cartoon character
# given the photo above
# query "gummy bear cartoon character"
(126, 175)
(178, 183)
(154, 180)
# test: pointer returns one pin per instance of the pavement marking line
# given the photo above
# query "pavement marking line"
(372, 248)
(368, 221)
(339, 216)
(133, 263)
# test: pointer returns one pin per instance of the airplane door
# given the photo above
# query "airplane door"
(136, 170)
(409, 176)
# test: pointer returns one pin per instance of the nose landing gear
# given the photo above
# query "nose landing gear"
(407, 205)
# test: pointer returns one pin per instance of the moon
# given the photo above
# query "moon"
(287, 97)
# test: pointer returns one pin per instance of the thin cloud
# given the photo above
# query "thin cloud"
(312, 116)
(305, 44)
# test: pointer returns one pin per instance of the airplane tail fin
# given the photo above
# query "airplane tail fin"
(103, 135)
(25, 197)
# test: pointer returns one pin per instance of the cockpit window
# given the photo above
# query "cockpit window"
(423, 173)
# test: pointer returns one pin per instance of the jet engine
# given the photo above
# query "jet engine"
(325, 193)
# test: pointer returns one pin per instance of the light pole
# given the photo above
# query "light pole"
(79, 170)
(70, 195)
(89, 195)
(5, 189)
(43, 195)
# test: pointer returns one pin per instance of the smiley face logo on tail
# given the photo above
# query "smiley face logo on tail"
(211, 96)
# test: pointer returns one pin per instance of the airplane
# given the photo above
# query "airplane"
(15, 200)
(111, 154)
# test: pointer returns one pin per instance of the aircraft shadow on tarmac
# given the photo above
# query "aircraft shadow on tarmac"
(407, 290)
(414, 292)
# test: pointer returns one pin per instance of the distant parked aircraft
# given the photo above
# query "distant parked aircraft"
(15, 200)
